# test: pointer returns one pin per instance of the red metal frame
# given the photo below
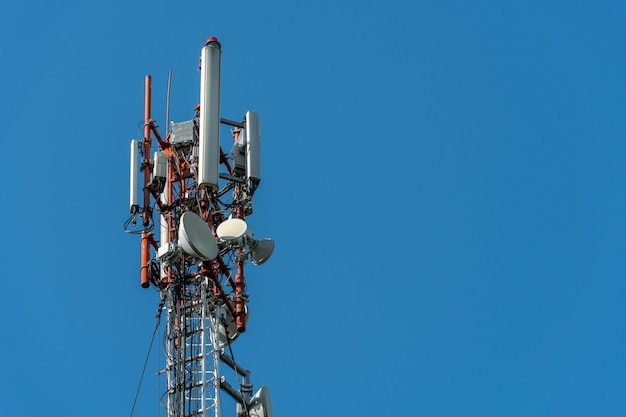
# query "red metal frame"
(210, 268)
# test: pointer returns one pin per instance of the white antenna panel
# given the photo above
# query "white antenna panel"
(134, 173)
(253, 147)
(164, 235)
(159, 170)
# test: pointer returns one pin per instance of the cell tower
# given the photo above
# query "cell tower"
(197, 263)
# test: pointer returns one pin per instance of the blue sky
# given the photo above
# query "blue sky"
(443, 179)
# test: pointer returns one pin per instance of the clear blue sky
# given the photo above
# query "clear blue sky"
(444, 181)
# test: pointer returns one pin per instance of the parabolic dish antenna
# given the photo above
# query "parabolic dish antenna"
(196, 238)
(262, 250)
(260, 404)
(231, 229)
(227, 326)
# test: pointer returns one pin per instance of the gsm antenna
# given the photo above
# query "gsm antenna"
(202, 199)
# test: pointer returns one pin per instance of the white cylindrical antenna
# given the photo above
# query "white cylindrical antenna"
(253, 147)
(209, 140)
(134, 174)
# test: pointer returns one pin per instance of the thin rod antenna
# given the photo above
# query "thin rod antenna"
(167, 104)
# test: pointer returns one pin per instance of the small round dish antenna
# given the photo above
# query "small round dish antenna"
(260, 404)
(226, 326)
(232, 229)
(196, 238)
(262, 250)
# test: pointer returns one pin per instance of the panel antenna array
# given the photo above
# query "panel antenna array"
(203, 198)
